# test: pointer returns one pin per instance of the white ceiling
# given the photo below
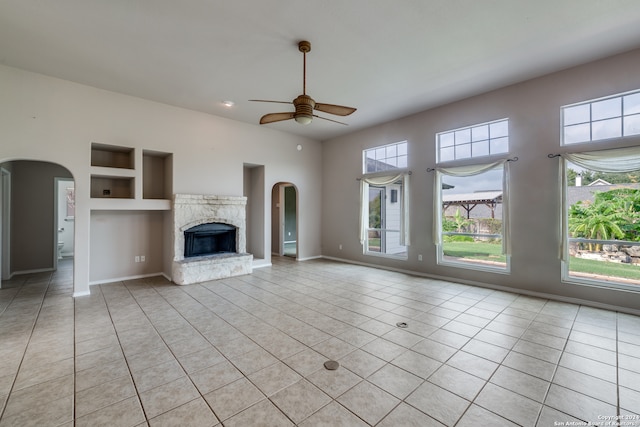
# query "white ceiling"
(387, 58)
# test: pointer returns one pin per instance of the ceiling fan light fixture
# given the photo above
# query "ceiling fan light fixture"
(303, 119)
(304, 104)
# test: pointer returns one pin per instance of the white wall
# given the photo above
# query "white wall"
(43, 118)
(533, 109)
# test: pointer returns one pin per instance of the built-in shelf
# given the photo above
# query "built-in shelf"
(130, 205)
(157, 175)
(111, 187)
(112, 156)
(123, 178)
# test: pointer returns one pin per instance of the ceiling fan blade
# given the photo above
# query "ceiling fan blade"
(265, 100)
(334, 121)
(275, 117)
(338, 110)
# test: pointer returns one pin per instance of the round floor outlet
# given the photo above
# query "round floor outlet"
(331, 365)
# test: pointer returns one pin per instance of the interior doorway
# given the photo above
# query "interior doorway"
(29, 218)
(65, 210)
(285, 241)
(5, 229)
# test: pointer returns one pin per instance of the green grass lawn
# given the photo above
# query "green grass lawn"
(483, 252)
(603, 268)
(477, 251)
(374, 244)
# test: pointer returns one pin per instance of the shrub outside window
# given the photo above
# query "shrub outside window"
(601, 211)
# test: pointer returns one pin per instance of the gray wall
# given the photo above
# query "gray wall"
(138, 233)
(533, 109)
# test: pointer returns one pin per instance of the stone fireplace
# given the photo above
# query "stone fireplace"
(209, 238)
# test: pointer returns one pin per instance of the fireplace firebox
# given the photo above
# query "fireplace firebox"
(209, 239)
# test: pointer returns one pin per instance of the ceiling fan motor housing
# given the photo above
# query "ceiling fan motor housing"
(304, 106)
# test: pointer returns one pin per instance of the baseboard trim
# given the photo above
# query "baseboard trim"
(81, 294)
(36, 270)
(544, 295)
(260, 265)
(310, 258)
(121, 279)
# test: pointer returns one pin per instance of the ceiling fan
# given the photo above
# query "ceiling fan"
(304, 104)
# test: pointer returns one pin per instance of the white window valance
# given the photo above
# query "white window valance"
(471, 170)
(364, 204)
(618, 160)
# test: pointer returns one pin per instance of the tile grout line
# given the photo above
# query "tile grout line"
(556, 365)
(33, 326)
(106, 303)
(6, 402)
(488, 380)
(200, 334)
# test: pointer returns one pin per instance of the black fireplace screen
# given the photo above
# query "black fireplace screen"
(209, 239)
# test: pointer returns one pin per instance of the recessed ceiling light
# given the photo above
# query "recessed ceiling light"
(228, 104)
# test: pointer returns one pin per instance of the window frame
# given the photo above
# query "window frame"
(472, 141)
(401, 202)
(391, 168)
(566, 276)
(597, 101)
(476, 266)
(386, 190)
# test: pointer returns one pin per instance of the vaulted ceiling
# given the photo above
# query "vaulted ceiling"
(387, 58)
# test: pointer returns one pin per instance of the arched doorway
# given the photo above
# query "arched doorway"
(284, 220)
(29, 234)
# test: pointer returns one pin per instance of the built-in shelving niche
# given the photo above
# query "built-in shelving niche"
(157, 175)
(130, 179)
(111, 156)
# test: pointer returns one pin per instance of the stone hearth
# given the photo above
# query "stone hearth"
(190, 210)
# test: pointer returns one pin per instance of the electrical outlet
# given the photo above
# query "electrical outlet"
(420, 257)
(137, 258)
(142, 258)
(340, 247)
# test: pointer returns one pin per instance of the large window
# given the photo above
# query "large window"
(480, 140)
(601, 203)
(605, 118)
(384, 200)
(472, 217)
(384, 231)
(386, 157)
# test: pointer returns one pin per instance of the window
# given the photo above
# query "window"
(480, 140)
(617, 116)
(601, 210)
(472, 217)
(385, 217)
(386, 157)
(384, 201)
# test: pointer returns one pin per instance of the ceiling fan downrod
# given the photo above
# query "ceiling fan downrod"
(304, 47)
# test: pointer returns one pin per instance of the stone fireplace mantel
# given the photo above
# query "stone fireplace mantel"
(190, 210)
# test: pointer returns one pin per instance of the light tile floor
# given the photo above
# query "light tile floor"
(249, 351)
